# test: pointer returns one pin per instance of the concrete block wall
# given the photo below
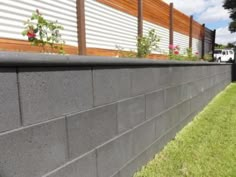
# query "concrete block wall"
(96, 120)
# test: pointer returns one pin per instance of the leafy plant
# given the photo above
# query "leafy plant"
(208, 57)
(125, 54)
(43, 33)
(147, 43)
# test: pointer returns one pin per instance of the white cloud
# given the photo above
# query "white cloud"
(213, 14)
(187, 7)
(206, 10)
(223, 36)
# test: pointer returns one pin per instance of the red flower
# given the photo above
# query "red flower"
(176, 52)
(31, 35)
(196, 53)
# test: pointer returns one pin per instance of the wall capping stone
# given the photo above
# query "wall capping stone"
(15, 59)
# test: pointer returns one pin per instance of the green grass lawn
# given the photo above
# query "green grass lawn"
(204, 148)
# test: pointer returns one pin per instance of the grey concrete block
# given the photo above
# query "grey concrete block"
(199, 72)
(172, 96)
(205, 72)
(33, 151)
(113, 155)
(197, 103)
(162, 126)
(172, 116)
(177, 76)
(159, 144)
(9, 103)
(155, 103)
(165, 77)
(116, 174)
(91, 128)
(195, 88)
(185, 109)
(47, 93)
(130, 113)
(143, 80)
(135, 165)
(190, 73)
(143, 136)
(82, 167)
(185, 92)
(111, 85)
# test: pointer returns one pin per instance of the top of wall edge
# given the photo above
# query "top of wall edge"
(15, 59)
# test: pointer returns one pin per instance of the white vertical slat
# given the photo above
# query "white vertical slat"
(197, 46)
(162, 32)
(107, 27)
(13, 13)
(182, 41)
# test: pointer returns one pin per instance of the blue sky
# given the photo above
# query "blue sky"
(209, 12)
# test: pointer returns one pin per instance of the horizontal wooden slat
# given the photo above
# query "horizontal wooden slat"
(155, 11)
(197, 30)
(127, 6)
(181, 22)
(24, 46)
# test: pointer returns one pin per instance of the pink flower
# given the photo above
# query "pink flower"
(196, 53)
(171, 46)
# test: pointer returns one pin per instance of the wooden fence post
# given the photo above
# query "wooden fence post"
(203, 41)
(171, 21)
(213, 42)
(140, 18)
(191, 32)
(81, 33)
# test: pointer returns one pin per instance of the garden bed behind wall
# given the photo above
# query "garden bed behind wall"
(94, 116)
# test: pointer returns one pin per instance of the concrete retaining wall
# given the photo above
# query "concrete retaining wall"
(95, 119)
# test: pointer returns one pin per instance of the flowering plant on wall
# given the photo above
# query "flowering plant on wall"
(192, 56)
(188, 55)
(44, 33)
(174, 52)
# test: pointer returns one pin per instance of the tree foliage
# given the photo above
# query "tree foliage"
(231, 6)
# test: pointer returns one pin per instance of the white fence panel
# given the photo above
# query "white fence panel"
(13, 14)
(197, 46)
(108, 28)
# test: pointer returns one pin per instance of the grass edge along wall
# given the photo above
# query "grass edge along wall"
(208, 143)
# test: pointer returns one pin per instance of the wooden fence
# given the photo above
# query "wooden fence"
(103, 24)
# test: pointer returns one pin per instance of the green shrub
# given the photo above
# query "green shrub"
(147, 43)
(43, 33)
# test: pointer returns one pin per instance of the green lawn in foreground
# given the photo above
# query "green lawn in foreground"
(204, 148)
